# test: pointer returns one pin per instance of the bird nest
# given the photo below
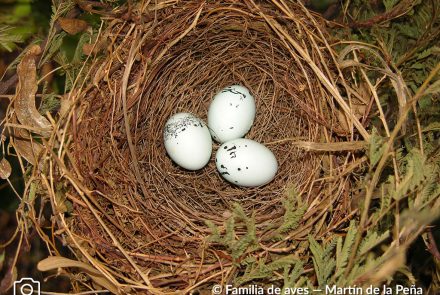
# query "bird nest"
(142, 223)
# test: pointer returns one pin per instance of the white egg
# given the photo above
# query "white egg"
(246, 162)
(187, 141)
(231, 113)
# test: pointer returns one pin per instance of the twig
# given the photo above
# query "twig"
(397, 11)
(432, 245)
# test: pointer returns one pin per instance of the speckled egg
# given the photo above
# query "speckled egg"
(187, 141)
(245, 162)
(231, 113)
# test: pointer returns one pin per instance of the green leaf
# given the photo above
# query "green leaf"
(418, 66)
(425, 53)
(262, 270)
(2, 259)
(237, 247)
(414, 173)
(293, 213)
(230, 231)
(8, 40)
(291, 279)
(323, 260)
(389, 4)
(343, 253)
(376, 147)
(55, 45)
(247, 240)
(434, 88)
(50, 102)
(215, 232)
(22, 10)
(77, 57)
(372, 240)
(434, 126)
(385, 198)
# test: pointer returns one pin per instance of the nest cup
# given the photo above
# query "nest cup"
(174, 58)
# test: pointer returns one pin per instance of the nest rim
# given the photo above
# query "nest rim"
(160, 257)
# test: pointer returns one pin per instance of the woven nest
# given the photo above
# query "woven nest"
(138, 217)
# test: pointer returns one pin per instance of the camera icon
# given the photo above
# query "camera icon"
(26, 286)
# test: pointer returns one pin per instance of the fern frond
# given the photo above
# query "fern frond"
(215, 232)
(237, 247)
(293, 212)
(263, 270)
(415, 172)
(7, 40)
(323, 260)
(54, 47)
(372, 240)
(58, 10)
(376, 148)
(230, 231)
(290, 279)
(389, 4)
(49, 103)
(343, 253)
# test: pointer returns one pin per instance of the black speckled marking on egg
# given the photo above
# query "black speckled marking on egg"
(172, 130)
(233, 155)
(239, 169)
(232, 148)
(225, 173)
(231, 128)
(234, 91)
(226, 147)
(247, 167)
(223, 166)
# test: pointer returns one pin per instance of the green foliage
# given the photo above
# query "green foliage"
(376, 148)
(335, 271)
(54, 39)
(371, 240)
(343, 249)
(408, 185)
(237, 247)
(8, 40)
(323, 259)
(410, 42)
(54, 47)
(418, 180)
(434, 88)
(293, 278)
(16, 24)
(261, 269)
(389, 4)
(294, 211)
(415, 172)
(334, 261)
(66, 69)
(50, 102)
